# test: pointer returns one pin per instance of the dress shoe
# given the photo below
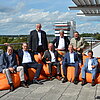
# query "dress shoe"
(11, 87)
(75, 81)
(23, 84)
(37, 82)
(64, 80)
(58, 77)
(50, 78)
(93, 83)
(28, 82)
(83, 82)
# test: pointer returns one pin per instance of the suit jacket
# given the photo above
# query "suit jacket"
(56, 40)
(67, 58)
(94, 62)
(20, 54)
(4, 62)
(47, 56)
(34, 40)
(2, 66)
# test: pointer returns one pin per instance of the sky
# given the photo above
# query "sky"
(18, 17)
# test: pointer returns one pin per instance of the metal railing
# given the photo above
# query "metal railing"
(11, 44)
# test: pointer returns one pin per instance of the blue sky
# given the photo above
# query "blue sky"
(20, 16)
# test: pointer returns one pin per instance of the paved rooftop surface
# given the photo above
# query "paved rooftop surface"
(53, 90)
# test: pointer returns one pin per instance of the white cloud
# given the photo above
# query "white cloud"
(22, 23)
(5, 20)
(82, 25)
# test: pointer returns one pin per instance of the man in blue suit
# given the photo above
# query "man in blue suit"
(90, 66)
(71, 59)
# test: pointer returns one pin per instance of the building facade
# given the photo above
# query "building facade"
(68, 27)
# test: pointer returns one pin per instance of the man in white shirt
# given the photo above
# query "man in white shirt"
(38, 40)
(90, 66)
(51, 58)
(61, 42)
(26, 59)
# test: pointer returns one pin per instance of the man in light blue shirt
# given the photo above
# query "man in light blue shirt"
(90, 66)
(71, 59)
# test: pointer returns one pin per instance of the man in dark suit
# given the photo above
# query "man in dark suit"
(38, 40)
(26, 59)
(71, 59)
(8, 64)
(61, 42)
(51, 58)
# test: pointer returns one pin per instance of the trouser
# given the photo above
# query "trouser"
(40, 49)
(80, 57)
(18, 69)
(36, 66)
(57, 64)
(65, 65)
(93, 71)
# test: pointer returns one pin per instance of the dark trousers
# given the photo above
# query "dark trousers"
(36, 66)
(57, 64)
(65, 65)
(40, 49)
(80, 57)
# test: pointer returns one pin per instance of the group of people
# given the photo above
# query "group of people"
(48, 53)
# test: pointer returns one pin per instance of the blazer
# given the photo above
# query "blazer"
(20, 54)
(67, 58)
(2, 66)
(34, 40)
(47, 56)
(4, 62)
(56, 42)
(94, 62)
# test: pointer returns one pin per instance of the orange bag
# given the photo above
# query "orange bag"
(4, 82)
(70, 73)
(45, 70)
(32, 71)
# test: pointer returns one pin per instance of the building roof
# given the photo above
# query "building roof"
(95, 49)
(88, 7)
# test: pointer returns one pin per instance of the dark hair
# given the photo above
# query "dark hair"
(90, 51)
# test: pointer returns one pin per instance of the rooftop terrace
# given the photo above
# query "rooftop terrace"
(53, 90)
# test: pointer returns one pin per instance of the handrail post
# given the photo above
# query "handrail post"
(91, 44)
